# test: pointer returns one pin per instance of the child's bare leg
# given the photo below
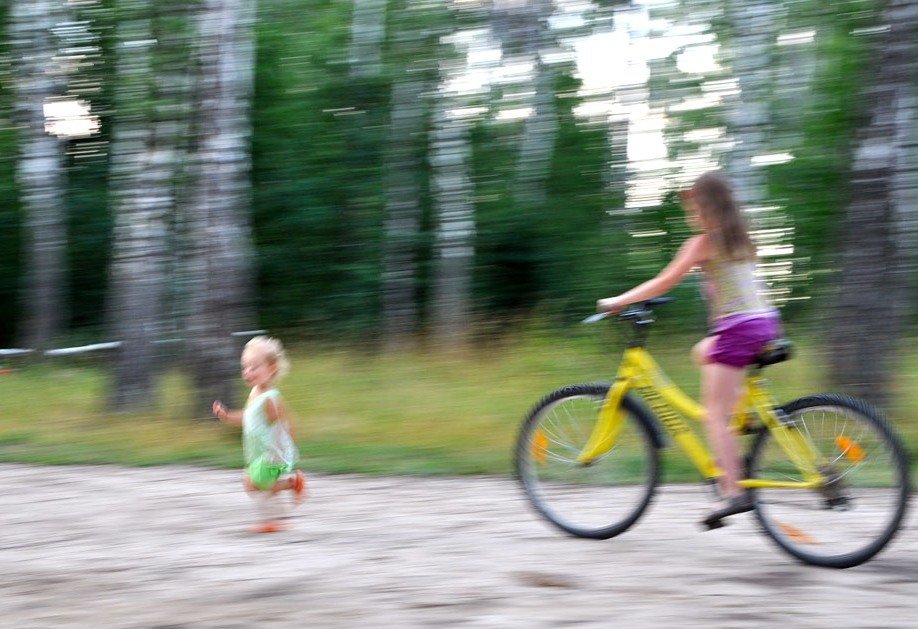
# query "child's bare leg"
(295, 483)
(268, 510)
(720, 392)
(282, 484)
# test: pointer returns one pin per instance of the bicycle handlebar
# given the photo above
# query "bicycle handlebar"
(639, 312)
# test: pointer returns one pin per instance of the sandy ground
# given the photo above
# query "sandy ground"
(168, 547)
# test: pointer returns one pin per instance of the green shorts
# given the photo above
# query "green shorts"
(264, 474)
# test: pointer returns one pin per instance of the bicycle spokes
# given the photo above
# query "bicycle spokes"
(859, 490)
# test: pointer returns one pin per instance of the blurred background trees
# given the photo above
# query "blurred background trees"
(387, 171)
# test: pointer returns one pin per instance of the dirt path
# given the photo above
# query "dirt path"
(167, 547)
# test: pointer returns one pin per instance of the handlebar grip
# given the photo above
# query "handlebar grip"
(599, 316)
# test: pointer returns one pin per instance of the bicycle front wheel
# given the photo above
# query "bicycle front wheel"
(599, 500)
(862, 504)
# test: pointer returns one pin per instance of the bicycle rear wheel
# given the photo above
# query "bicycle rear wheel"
(599, 500)
(860, 509)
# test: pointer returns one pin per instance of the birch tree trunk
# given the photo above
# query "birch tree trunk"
(37, 80)
(221, 258)
(368, 29)
(540, 129)
(753, 25)
(143, 170)
(867, 322)
(537, 144)
(403, 212)
(455, 215)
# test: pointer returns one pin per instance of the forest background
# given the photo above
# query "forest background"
(422, 199)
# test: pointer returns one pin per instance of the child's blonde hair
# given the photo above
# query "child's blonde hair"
(272, 350)
(719, 210)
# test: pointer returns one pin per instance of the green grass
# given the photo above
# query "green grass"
(424, 412)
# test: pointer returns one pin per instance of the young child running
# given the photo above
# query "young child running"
(742, 321)
(267, 437)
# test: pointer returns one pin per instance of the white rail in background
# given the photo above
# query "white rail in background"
(15, 352)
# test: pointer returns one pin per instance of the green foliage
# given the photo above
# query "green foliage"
(11, 237)
(11, 230)
(89, 241)
(316, 172)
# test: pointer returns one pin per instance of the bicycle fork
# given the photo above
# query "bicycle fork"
(608, 425)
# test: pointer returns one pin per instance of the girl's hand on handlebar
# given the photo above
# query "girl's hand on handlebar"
(609, 304)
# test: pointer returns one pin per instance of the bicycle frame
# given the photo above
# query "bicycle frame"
(640, 372)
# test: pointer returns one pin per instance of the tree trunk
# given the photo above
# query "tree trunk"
(522, 28)
(143, 171)
(403, 212)
(455, 215)
(867, 322)
(37, 80)
(220, 300)
(538, 141)
(368, 29)
(753, 25)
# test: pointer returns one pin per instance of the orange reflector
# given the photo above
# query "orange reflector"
(539, 447)
(850, 448)
(795, 534)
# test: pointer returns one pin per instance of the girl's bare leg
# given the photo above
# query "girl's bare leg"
(701, 349)
(720, 392)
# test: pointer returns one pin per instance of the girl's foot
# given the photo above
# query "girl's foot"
(299, 488)
(268, 527)
(740, 503)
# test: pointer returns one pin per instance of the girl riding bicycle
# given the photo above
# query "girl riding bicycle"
(742, 320)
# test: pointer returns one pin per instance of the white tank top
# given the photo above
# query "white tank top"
(263, 438)
(733, 288)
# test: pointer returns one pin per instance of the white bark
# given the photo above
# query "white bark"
(143, 169)
(537, 143)
(37, 79)
(455, 232)
(874, 260)
(403, 211)
(753, 24)
(522, 28)
(220, 264)
(368, 29)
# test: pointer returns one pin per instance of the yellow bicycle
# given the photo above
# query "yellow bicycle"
(829, 477)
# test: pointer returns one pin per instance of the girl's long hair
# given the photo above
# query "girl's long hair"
(723, 219)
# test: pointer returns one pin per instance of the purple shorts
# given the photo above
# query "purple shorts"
(738, 342)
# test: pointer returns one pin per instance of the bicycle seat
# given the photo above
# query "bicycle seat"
(776, 351)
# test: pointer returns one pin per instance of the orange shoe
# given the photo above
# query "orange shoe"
(268, 527)
(299, 488)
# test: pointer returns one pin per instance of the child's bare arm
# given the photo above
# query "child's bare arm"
(692, 253)
(226, 415)
(277, 411)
